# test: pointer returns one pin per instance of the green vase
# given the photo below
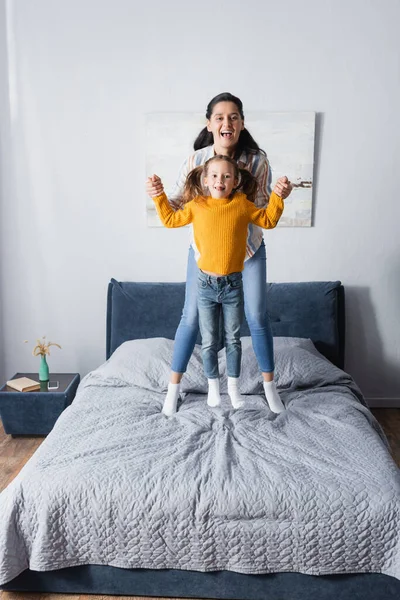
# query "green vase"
(43, 369)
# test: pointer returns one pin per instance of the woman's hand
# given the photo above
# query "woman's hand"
(154, 186)
(283, 187)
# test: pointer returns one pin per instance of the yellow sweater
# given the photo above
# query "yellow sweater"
(220, 227)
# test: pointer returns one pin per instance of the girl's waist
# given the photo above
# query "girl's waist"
(208, 276)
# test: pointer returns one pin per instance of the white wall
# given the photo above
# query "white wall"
(80, 76)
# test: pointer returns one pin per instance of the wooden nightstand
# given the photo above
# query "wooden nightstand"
(34, 413)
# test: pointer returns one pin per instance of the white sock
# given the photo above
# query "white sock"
(213, 398)
(234, 394)
(171, 399)
(272, 396)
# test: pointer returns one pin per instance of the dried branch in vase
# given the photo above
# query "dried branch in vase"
(42, 347)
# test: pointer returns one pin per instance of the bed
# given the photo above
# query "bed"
(121, 500)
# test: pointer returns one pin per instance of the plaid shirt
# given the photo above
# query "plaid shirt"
(258, 166)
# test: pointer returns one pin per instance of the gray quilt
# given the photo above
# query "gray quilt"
(312, 490)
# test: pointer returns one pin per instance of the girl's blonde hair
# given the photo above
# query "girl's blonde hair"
(247, 183)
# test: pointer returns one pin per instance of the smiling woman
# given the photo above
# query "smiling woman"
(225, 123)
(225, 128)
(225, 134)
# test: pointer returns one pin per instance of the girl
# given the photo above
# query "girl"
(225, 133)
(220, 222)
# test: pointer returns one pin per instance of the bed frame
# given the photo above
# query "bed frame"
(313, 310)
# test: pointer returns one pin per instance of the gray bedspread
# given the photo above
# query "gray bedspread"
(312, 490)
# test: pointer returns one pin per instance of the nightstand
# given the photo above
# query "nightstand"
(34, 413)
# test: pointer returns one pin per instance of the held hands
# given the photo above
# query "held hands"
(154, 186)
(283, 187)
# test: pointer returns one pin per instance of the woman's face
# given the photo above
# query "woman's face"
(225, 124)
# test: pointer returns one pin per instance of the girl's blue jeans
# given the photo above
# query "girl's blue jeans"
(218, 295)
(255, 307)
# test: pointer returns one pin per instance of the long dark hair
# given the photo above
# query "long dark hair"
(193, 188)
(245, 141)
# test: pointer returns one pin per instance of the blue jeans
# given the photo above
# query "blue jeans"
(218, 295)
(255, 307)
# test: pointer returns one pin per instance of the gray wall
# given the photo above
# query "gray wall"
(76, 80)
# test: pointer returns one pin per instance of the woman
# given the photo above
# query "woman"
(226, 134)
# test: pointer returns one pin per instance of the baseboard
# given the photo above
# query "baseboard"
(383, 402)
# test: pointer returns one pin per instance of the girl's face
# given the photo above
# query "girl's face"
(225, 124)
(220, 179)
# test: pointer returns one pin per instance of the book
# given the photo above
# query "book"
(23, 384)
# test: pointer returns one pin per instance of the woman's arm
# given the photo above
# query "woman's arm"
(266, 217)
(168, 216)
(283, 187)
(176, 193)
(262, 173)
(154, 186)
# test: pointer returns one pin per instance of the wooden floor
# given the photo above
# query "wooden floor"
(14, 452)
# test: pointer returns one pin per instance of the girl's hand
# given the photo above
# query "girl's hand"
(283, 187)
(154, 186)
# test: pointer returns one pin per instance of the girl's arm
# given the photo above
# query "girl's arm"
(168, 216)
(266, 217)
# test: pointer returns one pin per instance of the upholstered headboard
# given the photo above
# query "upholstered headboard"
(312, 310)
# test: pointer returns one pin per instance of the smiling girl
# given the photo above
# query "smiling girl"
(220, 220)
